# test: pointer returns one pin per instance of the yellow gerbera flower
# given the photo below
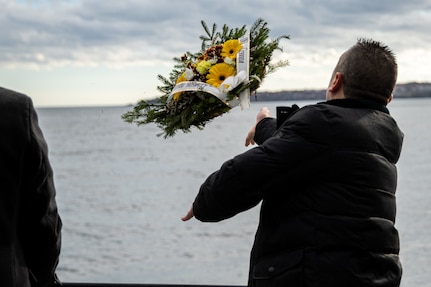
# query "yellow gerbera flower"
(176, 96)
(180, 79)
(218, 73)
(231, 48)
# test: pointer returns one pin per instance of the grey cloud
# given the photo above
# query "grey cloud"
(66, 30)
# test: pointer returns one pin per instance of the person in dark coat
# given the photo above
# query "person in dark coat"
(326, 181)
(30, 225)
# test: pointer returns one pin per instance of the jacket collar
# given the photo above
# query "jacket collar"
(357, 104)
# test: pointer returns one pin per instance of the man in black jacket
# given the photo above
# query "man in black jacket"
(30, 226)
(326, 180)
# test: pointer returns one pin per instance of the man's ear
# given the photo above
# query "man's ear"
(336, 83)
(390, 98)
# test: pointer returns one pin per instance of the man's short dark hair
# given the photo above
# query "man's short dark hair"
(369, 71)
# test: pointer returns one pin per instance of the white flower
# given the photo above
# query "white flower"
(189, 74)
(229, 61)
(232, 82)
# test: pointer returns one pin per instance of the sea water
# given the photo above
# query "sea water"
(121, 191)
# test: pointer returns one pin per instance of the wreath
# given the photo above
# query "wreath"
(231, 65)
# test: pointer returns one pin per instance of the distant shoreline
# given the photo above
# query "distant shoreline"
(409, 90)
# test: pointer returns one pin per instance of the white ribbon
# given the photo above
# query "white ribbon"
(243, 65)
(197, 86)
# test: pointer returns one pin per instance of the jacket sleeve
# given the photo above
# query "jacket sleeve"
(245, 180)
(264, 130)
(40, 223)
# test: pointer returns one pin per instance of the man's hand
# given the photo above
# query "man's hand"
(190, 214)
(250, 136)
(263, 113)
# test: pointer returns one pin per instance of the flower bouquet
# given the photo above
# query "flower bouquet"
(204, 85)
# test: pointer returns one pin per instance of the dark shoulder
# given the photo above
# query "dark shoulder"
(13, 101)
(329, 109)
(13, 97)
(310, 122)
(356, 103)
(15, 109)
(311, 114)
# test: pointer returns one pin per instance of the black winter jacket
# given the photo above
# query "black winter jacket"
(30, 226)
(326, 181)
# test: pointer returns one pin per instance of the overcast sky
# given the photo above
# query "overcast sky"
(96, 52)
